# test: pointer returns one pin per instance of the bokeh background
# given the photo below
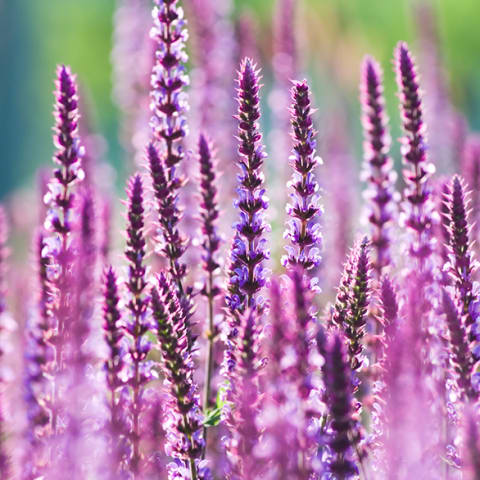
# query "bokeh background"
(334, 35)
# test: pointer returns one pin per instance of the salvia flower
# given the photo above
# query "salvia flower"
(303, 229)
(183, 422)
(338, 387)
(138, 322)
(68, 156)
(350, 309)
(209, 213)
(418, 205)
(168, 100)
(114, 366)
(459, 346)
(463, 263)
(249, 250)
(378, 164)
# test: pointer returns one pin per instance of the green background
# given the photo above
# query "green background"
(35, 35)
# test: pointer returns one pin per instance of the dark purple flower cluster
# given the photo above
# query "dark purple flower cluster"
(303, 228)
(249, 249)
(418, 205)
(379, 166)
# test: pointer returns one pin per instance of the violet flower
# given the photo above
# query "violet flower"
(303, 229)
(114, 366)
(209, 213)
(418, 206)
(463, 264)
(339, 399)
(68, 156)
(249, 250)
(460, 356)
(350, 309)
(168, 102)
(59, 221)
(138, 322)
(183, 423)
(378, 164)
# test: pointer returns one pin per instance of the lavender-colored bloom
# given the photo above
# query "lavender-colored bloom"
(209, 210)
(350, 309)
(168, 102)
(418, 205)
(114, 366)
(459, 346)
(211, 243)
(378, 164)
(339, 402)
(68, 156)
(249, 250)
(183, 423)
(463, 265)
(304, 209)
(138, 323)
(359, 300)
(59, 246)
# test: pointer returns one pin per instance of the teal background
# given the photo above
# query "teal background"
(35, 35)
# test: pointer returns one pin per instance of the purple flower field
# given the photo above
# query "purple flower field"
(220, 321)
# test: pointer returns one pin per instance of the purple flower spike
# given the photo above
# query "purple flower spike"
(350, 309)
(249, 250)
(114, 366)
(459, 347)
(174, 244)
(418, 206)
(463, 264)
(209, 207)
(378, 164)
(183, 424)
(304, 209)
(338, 394)
(68, 155)
(211, 243)
(168, 101)
(138, 323)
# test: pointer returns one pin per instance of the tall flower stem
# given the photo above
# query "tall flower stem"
(137, 325)
(211, 243)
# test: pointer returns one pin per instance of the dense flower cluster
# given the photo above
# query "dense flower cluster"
(204, 363)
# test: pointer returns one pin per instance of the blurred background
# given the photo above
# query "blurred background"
(332, 38)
